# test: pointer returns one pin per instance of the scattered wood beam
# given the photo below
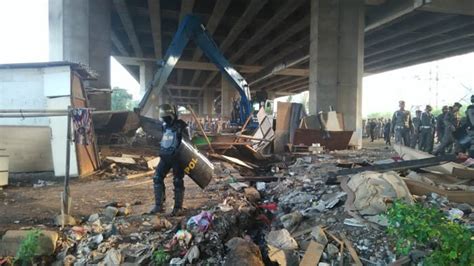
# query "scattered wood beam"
(127, 23)
(154, 11)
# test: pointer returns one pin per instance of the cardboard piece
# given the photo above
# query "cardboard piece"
(313, 254)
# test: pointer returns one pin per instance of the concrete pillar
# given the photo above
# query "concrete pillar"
(227, 92)
(146, 75)
(208, 102)
(79, 31)
(336, 60)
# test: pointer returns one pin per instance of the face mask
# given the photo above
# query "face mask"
(167, 119)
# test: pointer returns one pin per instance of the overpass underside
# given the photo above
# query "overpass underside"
(281, 46)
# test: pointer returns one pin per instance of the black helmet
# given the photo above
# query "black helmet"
(472, 98)
(167, 110)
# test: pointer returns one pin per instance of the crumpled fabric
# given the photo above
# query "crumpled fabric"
(372, 189)
(202, 221)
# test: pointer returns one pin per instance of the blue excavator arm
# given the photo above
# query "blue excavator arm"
(192, 28)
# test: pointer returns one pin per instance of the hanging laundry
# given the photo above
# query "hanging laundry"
(82, 125)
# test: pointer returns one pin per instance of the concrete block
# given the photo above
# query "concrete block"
(12, 239)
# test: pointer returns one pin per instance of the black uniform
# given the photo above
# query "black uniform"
(440, 126)
(427, 132)
(451, 123)
(172, 136)
(470, 123)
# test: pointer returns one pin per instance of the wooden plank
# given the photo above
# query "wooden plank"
(121, 160)
(139, 175)
(87, 156)
(352, 251)
(313, 254)
(408, 153)
(463, 173)
(420, 188)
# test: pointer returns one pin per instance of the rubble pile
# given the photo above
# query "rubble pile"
(294, 214)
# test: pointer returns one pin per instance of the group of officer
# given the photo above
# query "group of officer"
(451, 131)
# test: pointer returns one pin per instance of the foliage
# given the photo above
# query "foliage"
(419, 227)
(160, 257)
(28, 248)
(122, 100)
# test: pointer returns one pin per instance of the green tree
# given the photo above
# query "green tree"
(122, 100)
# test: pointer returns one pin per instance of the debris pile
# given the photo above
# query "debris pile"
(290, 211)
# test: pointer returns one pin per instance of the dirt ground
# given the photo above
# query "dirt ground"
(27, 206)
(22, 205)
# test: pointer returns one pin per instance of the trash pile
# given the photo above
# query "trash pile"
(292, 214)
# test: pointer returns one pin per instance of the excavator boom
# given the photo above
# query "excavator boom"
(192, 28)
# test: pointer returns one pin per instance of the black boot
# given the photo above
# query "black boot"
(178, 203)
(160, 197)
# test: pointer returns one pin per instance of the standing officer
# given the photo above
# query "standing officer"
(440, 123)
(427, 130)
(402, 125)
(470, 122)
(415, 136)
(451, 122)
(174, 130)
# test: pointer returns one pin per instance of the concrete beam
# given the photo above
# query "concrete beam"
(182, 64)
(154, 11)
(247, 17)
(414, 27)
(390, 11)
(434, 53)
(268, 83)
(217, 13)
(287, 9)
(127, 23)
(283, 85)
(422, 46)
(439, 31)
(461, 7)
(186, 8)
(118, 44)
(280, 39)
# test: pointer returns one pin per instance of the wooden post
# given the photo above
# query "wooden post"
(200, 128)
(65, 194)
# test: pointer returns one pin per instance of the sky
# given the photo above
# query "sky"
(24, 34)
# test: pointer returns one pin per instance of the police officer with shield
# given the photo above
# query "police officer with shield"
(174, 130)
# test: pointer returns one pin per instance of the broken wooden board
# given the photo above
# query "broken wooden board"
(352, 251)
(139, 175)
(408, 153)
(420, 188)
(121, 160)
(313, 254)
(463, 173)
(134, 156)
(232, 160)
(153, 163)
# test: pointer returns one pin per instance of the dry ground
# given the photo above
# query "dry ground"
(26, 206)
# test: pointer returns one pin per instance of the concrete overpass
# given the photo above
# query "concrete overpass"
(282, 46)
